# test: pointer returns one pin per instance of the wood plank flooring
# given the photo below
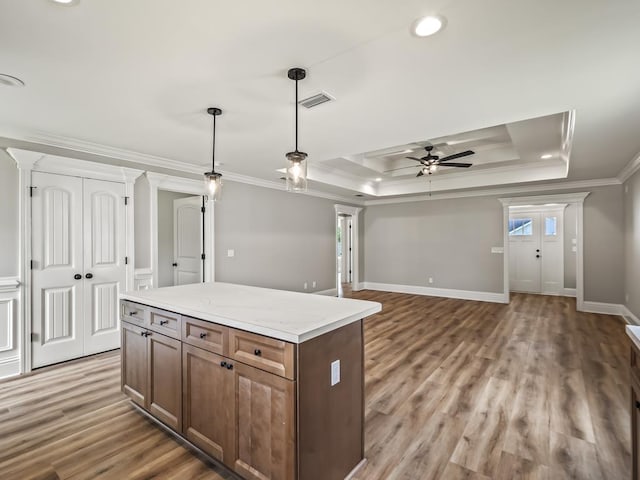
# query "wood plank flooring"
(454, 390)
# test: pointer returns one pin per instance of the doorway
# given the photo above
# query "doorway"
(180, 238)
(536, 249)
(344, 254)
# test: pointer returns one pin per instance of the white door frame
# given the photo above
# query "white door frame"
(354, 212)
(159, 181)
(29, 161)
(578, 199)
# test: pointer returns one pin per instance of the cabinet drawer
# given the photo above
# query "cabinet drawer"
(269, 354)
(167, 323)
(134, 313)
(206, 335)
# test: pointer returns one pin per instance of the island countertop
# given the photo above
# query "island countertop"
(289, 316)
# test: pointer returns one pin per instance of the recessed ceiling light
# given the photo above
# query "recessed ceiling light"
(10, 81)
(379, 179)
(546, 156)
(426, 26)
(66, 2)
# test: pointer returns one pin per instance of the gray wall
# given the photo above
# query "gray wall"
(450, 240)
(570, 232)
(142, 222)
(632, 243)
(9, 215)
(165, 235)
(281, 240)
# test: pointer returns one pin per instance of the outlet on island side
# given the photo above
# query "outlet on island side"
(430, 279)
(313, 284)
(304, 285)
(335, 372)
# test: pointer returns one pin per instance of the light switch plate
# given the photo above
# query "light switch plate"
(335, 372)
(231, 253)
(497, 249)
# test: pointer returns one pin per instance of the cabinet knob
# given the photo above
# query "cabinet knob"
(223, 364)
(174, 264)
(164, 322)
(229, 366)
(257, 352)
(142, 334)
(637, 404)
(537, 256)
(203, 334)
(146, 334)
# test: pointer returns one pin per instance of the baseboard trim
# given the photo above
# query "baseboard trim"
(9, 367)
(436, 292)
(603, 308)
(628, 316)
(332, 292)
(569, 292)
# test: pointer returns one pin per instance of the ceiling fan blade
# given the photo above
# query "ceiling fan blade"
(457, 155)
(417, 159)
(401, 168)
(463, 165)
(420, 173)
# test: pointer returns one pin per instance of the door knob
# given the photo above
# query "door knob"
(538, 250)
(89, 275)
(77, 276)
(229, 366)
(537, 256)
(174, 264)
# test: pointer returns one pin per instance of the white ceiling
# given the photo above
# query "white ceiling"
(139, 76)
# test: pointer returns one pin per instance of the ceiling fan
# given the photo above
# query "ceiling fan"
(430, 163)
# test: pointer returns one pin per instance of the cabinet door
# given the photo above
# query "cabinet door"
(635, 424)
(265, 424)
(165, 382)
(134, 363)
(208, 400)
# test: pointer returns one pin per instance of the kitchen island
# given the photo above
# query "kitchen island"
(269, 383)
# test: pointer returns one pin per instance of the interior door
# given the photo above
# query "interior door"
(187, 240)
(104, 271)
(524, 252)
(57, 274)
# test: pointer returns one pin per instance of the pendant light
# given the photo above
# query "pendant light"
(296, 160)
(212, 179)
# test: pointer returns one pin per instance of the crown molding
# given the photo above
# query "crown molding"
(602, 182)
(629, 169)
(561, 199)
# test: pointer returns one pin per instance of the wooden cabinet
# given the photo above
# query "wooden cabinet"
(635, 411)
(263, 407)
(209, 404)
(265, 424)
(151, 372)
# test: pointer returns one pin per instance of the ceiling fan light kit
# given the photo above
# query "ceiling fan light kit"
(429, 163)
(296, 161)
(213, 179)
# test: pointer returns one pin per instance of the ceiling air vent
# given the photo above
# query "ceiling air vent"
(316, 100)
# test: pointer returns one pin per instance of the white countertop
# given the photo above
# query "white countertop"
(290, 316)
(633, 331)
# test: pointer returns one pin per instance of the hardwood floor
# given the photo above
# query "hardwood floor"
(454, 389)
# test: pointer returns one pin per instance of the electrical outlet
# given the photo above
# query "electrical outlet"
(335, 372)
(231, 253)
(626, 298)
(304, 285)
(430, 279)
(313, 284)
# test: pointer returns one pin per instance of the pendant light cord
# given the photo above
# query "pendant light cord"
(213, 156)
(296, 114)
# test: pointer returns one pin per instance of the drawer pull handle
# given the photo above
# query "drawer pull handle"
(203, 334)
(229, 366)
(257, 352)
(223, 364)
(142, 334)
(133, 312)
(145, 334)
(164, 322)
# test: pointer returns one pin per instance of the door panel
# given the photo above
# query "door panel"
(524, 240)
(553, 252)
(187, 240)
(165, 379)
(57, 257)
(135, 381)
(104, 252)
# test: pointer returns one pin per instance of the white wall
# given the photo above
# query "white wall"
(142, 224)
(8, 216)
(570, 233)
(632, 244)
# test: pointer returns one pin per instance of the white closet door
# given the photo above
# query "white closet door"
(187, 240)
(104, 270)
(57, 324)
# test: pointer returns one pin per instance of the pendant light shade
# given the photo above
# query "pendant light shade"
(213, 179)
(296, 160)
